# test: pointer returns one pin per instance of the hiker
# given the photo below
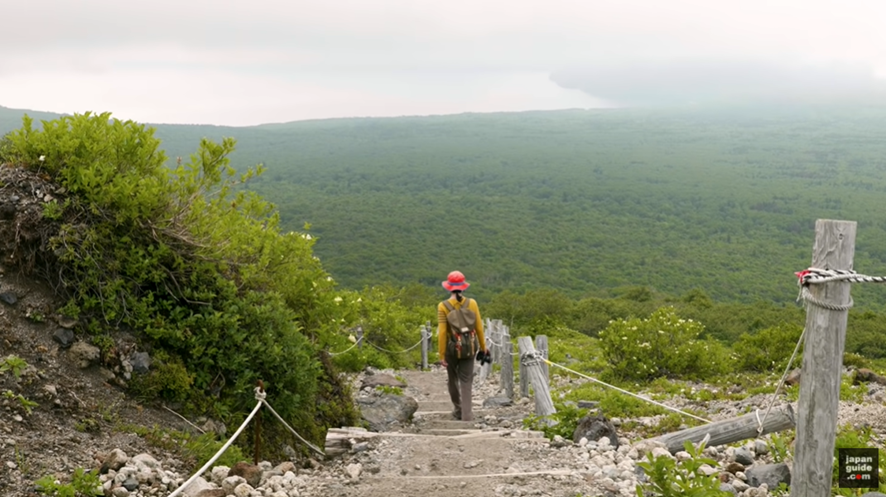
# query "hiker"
(459, 343)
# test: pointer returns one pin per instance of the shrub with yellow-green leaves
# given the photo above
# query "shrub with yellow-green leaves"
(661, 345)
(768, 349)
(193, 263)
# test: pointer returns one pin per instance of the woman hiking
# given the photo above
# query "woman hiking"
(460, 338)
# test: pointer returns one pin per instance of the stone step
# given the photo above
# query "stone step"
(442, 414)
(435, 406)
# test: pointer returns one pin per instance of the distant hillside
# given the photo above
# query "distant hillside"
(582, 201)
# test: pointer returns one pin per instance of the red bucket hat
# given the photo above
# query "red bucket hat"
(456, 281)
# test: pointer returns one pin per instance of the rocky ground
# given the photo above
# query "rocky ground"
(81, 418)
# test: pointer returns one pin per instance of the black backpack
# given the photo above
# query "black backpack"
(463, 342)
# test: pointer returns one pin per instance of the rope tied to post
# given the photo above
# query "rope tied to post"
(814, 276)
(532, 357)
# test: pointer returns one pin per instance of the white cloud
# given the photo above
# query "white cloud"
(175, 60)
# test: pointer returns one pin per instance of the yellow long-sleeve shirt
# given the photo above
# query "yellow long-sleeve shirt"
(443, 325)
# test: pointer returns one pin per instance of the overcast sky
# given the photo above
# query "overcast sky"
(256, 61)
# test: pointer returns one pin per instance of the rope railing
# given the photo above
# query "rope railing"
(260, 397)
(816, 276)
(537, 356)
(357, 342)
(396, 351)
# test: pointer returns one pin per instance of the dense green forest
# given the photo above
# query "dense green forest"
(585, 202)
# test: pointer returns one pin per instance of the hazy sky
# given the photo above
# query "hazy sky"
(249, 62)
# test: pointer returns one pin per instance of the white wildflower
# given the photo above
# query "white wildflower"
(42, 158)
(337, 299)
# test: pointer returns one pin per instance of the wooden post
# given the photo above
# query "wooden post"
(484, 367)
(730, 430)
(507, 366)
(430, 338)
(524, 376)
(834, 248)
(256, 454)
(359, 336)
(491, 339)
(544, 406)
(424, 348)
(541, 344)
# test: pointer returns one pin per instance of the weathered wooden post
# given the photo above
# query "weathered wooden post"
(507, 365)
(541, 345)
(492, 339)
(424, 347)
(485, 367)
(430, 339)
(834, 248)
(524, 376)
(521, 369)
(730, 430)
(499, 336)
(544, 406)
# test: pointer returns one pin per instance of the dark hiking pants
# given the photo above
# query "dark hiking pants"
(460, 373)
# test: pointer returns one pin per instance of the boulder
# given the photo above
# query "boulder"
(386, 410)
(744, 456)
(64, 337)
(770, 474)
(382, 380)
(498, 402)
(249, 472)
(595, 427)
(141, 362)
(84, 354)
(864, 375)
(793, 378)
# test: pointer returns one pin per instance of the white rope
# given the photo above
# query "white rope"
(780, 383)
(396, 351)
(818, 275)
(260, 397)
(625, 391)
(309, 444)
(348, 349)
(806, 296)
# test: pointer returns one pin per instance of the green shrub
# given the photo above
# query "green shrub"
(850, 392)
(562, 423)
(193, 262)
(13, 363)
(195, 449)
(855, 360)
(661, 345)
(390, 390)
(667, 477)
(769, 349)
(83, 484)
(780, 446)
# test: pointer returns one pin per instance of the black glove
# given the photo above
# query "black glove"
(484, 357)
